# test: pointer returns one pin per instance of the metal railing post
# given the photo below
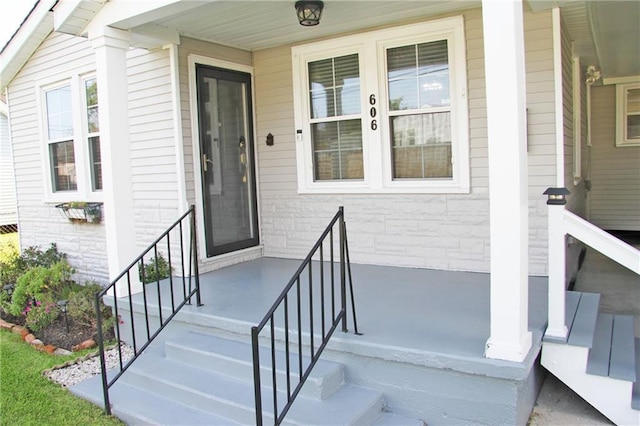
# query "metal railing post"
(194, 243)
(343, 278)
(256, 376)
(103, 364)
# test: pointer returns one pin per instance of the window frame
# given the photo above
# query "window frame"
(80, 138)
(371, 49)
(621, 114)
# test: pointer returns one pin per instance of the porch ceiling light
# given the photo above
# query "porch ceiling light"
(309, 12)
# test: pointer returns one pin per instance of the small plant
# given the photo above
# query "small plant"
(157, 268)
(42, 284)
(39, 315)
(81, 307)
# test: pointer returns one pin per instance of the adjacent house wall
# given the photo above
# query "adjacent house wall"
(442, 231)
(615, 171)
(8, 207)
(153, 153)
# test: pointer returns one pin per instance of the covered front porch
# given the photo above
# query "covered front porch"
(422, 344)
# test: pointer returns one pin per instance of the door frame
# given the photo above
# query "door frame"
(193, 60)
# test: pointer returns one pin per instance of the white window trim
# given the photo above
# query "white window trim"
(621, 115)
(80, 137)
(377, 157)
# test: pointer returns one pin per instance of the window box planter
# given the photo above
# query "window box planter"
(82, 211)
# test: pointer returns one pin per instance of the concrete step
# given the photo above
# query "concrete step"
(137, 406)
(635, 393)
(612, 353)
(234, 358)
(390, 419)
(233, 398)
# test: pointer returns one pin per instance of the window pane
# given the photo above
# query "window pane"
(96, 163)
(633, 127)
(334, 86)
(633, 101)
(59, 115)
(418, 76)
(337, 150)
(91, 90)
(63, 166)
(421, 146)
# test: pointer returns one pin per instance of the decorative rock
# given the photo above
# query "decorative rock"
(87, 344)
(49, 349)
(29, 338)
(19, 330)
(61, 351)
(6, 325)
(37, 342)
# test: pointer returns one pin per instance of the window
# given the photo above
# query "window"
(628, 114)
(384, 111)
(72, 139)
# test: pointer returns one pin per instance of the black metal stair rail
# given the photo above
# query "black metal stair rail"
(189, 275)
(291, 299)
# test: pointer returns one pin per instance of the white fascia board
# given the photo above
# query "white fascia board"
(125, 14)
(25, 41)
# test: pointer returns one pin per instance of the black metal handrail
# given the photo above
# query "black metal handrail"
(284, 304)
(189, 275)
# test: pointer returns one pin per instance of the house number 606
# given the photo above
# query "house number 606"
(373, 112)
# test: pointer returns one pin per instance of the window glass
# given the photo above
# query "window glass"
(93, 127)
(63, 166)
(59, 114)
(91, 90)
(421, 146)
(334, 92)
(633, 114)
(96, 163)
(418, 76)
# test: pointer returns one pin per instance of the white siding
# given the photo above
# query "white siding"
(154, 176)
(40, 223)
(615, 171)
(8, 208)
(434, 231)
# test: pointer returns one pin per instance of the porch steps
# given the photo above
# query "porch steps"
(600, 360)
(213, 376)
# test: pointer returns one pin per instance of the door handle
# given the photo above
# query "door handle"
(205, 160)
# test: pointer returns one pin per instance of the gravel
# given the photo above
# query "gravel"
(77, 371)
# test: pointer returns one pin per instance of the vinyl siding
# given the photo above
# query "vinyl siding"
(440, 231)
(153, 153)
(8, 207)
(41, 223)
(615, 171)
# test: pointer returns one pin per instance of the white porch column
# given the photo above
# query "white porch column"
(506, 127)
(110, 47)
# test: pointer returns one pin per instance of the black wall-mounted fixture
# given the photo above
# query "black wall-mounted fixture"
(309, 12)
(269, 139)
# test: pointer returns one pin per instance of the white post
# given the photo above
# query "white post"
(110, 47)
(508, 180)
(556, 328)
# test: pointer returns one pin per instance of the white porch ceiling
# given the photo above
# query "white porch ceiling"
(254, 25)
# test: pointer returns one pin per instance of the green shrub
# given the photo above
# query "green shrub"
(14, 265)
(157, 268)
(44, 284)
(81, 307)
(40, 315)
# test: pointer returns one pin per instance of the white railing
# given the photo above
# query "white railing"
(562, 223)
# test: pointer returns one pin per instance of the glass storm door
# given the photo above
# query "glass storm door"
(227, 158)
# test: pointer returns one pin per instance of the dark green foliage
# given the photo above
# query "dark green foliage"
(156, 268)
(81, 306)
(31, 257)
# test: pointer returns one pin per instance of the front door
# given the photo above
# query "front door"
(227, 159)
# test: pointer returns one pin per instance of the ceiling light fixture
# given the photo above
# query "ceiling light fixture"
(309, 12)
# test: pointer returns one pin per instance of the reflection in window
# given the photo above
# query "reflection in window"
(59, 114)
(337, 150)
(334, 87)
(63, 166)
(93, 127)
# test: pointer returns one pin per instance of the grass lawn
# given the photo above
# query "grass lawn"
(28, 398)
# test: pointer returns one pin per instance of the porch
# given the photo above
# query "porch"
(422, 347)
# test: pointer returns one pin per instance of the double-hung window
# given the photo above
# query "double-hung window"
(384, 111)
(72, 139)
(628, 114)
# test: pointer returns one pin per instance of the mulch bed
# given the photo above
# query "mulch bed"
(56, 333)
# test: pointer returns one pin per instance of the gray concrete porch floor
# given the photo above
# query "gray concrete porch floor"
(419, 312)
